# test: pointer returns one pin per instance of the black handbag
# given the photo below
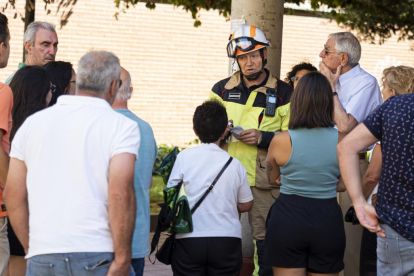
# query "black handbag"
(164, 254)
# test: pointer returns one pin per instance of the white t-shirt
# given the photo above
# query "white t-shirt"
(67, 149)
(217, 215)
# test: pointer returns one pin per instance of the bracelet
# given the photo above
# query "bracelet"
(334, 93)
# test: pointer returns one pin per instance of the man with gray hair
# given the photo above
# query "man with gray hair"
(143, 175)
(40, 44)
(71, 179)
(356, 94)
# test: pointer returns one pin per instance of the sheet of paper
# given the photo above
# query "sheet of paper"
(237, 130)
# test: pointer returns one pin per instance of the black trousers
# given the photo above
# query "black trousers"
(368, 263)
(207, 256)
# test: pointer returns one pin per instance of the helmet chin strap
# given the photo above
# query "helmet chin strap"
(256, 75)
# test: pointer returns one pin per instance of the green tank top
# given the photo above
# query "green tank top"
(312, 169)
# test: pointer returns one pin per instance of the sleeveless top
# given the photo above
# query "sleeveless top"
(312, 169)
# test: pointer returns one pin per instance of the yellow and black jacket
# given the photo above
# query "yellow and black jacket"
(246, 107)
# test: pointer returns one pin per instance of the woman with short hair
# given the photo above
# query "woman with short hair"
(305, 229)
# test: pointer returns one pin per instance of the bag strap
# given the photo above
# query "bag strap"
(211, 186)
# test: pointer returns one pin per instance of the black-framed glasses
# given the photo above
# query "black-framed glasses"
(327, 52)
(53, 88)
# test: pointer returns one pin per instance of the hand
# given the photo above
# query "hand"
(119, 269)
(332, 78)
(278, 183)
(368, 218)
(250, 136)
(228, 129)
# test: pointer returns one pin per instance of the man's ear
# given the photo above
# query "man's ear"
(113, 88)
(265, 53)
(344, 59)
(28, 47)
(1, 48)
(393, 92)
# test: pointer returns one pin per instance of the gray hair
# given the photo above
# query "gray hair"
(31, 31)
(96, 71)
(124, 92)
(347, 43)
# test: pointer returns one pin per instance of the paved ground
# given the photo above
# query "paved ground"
(157, 269)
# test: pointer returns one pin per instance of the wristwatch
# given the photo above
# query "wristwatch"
(335, 94)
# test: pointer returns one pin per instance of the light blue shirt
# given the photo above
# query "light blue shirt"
(142, 179)
(358, 93)
(312, 169)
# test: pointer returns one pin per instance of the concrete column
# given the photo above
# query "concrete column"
(268, 16)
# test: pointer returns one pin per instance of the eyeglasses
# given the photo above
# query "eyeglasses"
(53, 88)
(293, 79)
(327, 51)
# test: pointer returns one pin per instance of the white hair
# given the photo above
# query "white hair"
(347, 43)
(96, 71)
(31, 31)
(124, 92)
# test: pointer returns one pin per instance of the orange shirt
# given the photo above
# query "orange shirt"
(6, 104)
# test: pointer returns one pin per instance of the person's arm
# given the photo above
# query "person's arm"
(272, 168)
(245, 207)
(15, 196)
(344, 122)
(348, 150)
(4, 162)
(372, 175)
(340, 186)
(121, 210)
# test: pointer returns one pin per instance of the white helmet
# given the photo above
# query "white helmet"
(246, 39)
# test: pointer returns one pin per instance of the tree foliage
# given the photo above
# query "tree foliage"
(373, 20)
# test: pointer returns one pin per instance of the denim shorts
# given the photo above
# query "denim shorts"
(71, 264)
(395, 254)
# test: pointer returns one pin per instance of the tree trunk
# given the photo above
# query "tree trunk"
(28, 18)
(268, 16)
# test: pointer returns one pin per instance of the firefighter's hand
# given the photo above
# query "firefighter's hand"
(250, 136)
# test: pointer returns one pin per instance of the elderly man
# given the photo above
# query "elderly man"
(143, 175)
(71, 179)
(356, 94)
(40, 44)
(250, 96)
(392, 124)
(6, 103)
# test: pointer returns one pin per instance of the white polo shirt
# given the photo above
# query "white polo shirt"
(67, 149)
(217, 215)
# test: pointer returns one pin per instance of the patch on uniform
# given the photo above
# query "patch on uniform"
(3, 208)
(234, 95)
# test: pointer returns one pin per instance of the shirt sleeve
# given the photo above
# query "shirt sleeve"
(245, 194)
(374, 122)
(176, 175)
(128, 139)
(363, 101)
(18, 145)
(6, 103)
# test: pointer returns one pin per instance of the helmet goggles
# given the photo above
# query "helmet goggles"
(244, 44)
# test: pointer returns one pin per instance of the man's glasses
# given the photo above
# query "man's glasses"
(327, 50)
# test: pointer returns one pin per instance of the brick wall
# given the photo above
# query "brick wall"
(174, 65)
